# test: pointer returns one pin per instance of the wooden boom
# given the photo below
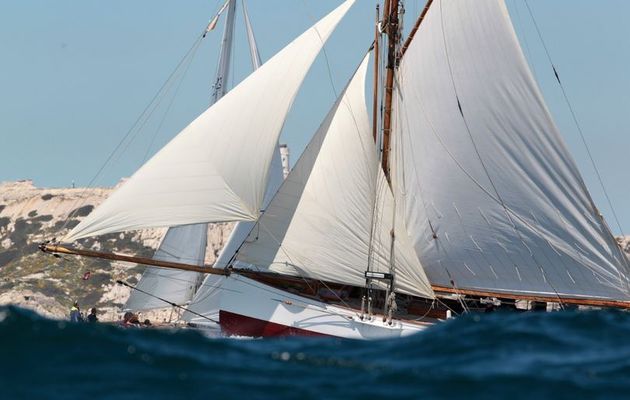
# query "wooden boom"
(57, 249)
(547, 299)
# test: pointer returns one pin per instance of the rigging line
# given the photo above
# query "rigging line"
(625, 259)
(170, 104)
(521, 24)
(577, 124)
(459, 296)
(156, 271)
(446, 305)
(131, 130)
(329, 69)
(212, 290)
(123, 283)
(432, 307)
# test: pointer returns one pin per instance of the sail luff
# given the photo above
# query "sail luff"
(205, 174)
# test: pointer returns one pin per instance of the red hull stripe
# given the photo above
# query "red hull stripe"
(236, 324)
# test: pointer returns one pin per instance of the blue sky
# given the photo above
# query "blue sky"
(77, 73)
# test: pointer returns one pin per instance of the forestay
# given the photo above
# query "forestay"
(216, 168)
(479, 162)
(319, 223)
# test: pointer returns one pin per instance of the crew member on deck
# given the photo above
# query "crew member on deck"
(75, 313)
(92, 317)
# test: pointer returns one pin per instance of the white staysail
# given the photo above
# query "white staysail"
(185, 244)
(319, 223)
(480, 164)
(216, 169)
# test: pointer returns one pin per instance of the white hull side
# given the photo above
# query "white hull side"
(251, 308)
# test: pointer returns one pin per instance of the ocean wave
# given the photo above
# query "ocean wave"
(518, 355)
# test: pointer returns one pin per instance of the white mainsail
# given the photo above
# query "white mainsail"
(479, 162)
(319, 223)
(216, 169)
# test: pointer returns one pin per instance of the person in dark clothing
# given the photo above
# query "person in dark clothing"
(130, 319)
(92, 317)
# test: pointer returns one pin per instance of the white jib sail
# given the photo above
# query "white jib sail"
(216, 169)
(480, 163)
(180, 241)
(319, 223)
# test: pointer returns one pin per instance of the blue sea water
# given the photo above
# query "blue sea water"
(563, 355)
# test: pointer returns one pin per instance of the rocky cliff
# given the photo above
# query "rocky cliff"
(31, 215)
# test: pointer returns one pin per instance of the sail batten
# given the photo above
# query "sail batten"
(216, 169)
(492, 198)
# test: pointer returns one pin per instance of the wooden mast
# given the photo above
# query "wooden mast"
(390, 16)
(377, 36)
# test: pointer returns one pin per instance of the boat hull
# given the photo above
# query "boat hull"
(252, 308)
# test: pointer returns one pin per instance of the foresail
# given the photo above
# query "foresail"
(216, 169)
(491, 197)
(319, 223)
(185, 244)
(178, 239)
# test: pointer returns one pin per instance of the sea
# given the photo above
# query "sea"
(535, 355)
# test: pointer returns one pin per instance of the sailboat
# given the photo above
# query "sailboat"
(470, 200)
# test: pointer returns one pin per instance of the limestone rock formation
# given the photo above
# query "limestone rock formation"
(30, 215)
